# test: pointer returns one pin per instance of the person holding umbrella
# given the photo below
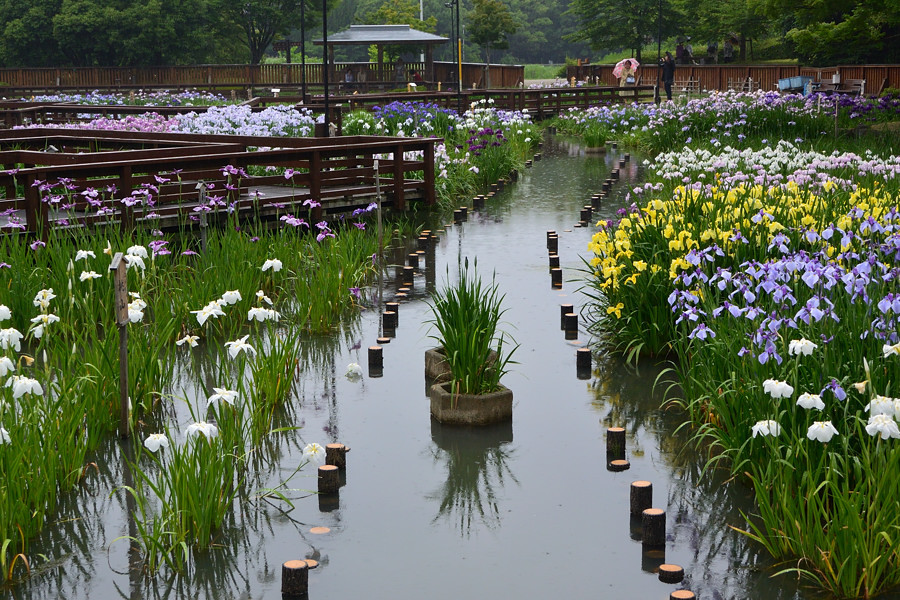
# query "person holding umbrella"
(625, 71)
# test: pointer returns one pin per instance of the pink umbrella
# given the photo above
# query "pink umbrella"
(623, 64)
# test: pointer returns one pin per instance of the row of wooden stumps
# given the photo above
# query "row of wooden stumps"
(652, 529)
(587, 211)
(568, 318)
(390, 318)
(295, 573)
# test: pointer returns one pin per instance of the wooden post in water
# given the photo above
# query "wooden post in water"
(329, 480)
(641, 497)
(336, 454)
(118, 266)
(653, 527)
(295, 579)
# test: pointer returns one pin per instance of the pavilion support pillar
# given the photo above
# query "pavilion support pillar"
(380, 76)
(429, 63)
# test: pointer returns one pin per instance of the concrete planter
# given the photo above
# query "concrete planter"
(437, 369)
(470, 409)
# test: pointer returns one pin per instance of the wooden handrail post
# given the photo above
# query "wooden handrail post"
(430, 198)
(399, 201)
(33, 212)
(315, 184)
(126, 213)
(118, 266)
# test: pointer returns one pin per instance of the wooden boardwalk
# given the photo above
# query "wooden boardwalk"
(68, 178)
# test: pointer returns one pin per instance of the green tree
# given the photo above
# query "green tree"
(25, 38)
(489, 25)
(839, 31)
(615, 24)
(88, 32)
(115, 32)
(714, 20)
(542, 25)
(393, 12)
(263, 21)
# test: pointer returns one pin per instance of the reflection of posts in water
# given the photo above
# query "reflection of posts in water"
(430, 266)
(477, 467)
(135, 560)
(652, 559)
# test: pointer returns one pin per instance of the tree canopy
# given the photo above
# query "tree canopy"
(490, 23)
(63, 33)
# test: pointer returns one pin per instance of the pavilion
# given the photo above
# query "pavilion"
(386, 35)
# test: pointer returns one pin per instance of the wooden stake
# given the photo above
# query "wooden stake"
(336, 455)
(641, 497)
(553, 244)
(571, 326)
(618, 465)
(615, 440)
(653, 527)
(394, 307)
(564, 309)
(554, 261)
(583, 358)
(295, 579)
(376, 357)
(556, 278)
(671, 573)
(682, 595)
(329, 479)
(119, 267)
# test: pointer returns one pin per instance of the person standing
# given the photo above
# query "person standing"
(727, 51)
(668, 74)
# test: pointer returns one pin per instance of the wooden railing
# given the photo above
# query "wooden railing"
(540, 103)
(764, 77)
(29, 81)
(338, 173)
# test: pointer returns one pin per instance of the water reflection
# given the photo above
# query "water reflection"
(477, 462)
(701, 506)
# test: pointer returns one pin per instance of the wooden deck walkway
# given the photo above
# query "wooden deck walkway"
(89, 178)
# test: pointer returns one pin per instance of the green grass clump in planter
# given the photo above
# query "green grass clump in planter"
(466, 317)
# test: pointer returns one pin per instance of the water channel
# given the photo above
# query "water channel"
(527, 510)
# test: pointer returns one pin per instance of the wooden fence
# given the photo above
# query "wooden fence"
(765, 77)
(222, 77)
(153, 178)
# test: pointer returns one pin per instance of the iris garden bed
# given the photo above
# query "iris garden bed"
(768, 270)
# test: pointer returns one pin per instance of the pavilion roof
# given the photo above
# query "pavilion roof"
(382, 34)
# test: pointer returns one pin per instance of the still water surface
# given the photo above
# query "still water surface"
(526, 510)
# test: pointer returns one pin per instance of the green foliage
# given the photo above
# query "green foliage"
(489, 25)
(608, 24)
(466, 316)
(853, 31)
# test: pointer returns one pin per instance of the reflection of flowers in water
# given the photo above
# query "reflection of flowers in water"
(477, 469)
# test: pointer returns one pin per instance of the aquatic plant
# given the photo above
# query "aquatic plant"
(59, 349)
(777, 268)
(466, 315)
